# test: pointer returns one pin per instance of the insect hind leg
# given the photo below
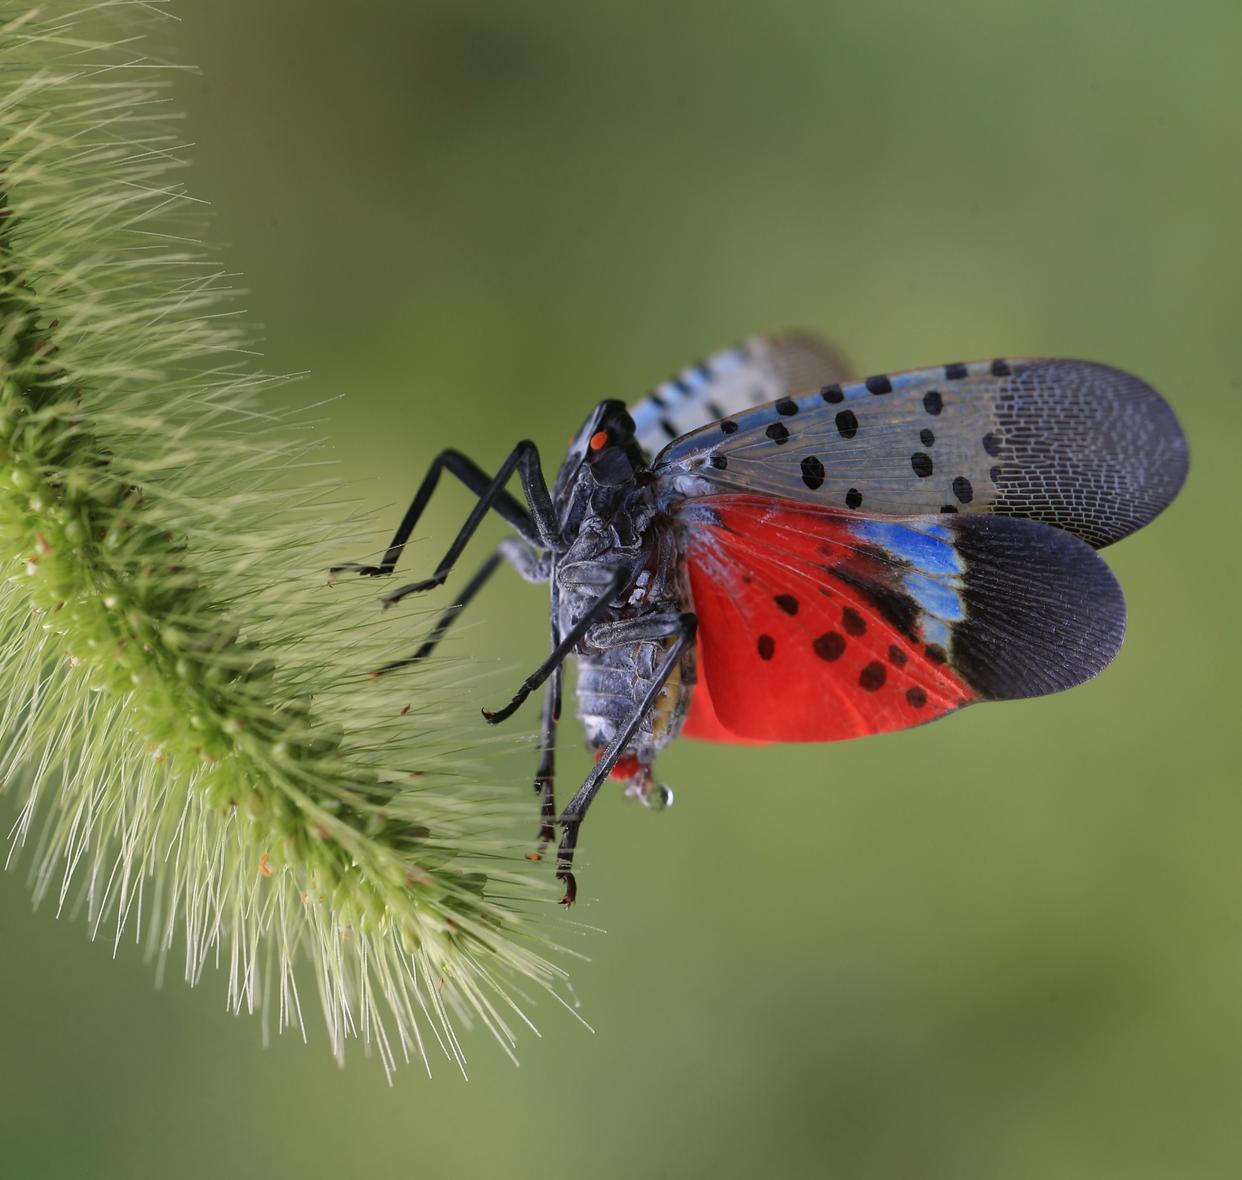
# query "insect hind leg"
(545, 773)
(575, 812)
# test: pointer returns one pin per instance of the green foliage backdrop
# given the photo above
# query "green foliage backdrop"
(1006, 945)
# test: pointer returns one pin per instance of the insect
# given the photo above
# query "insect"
(762, 551)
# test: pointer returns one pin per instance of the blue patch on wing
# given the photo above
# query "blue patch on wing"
(935, 631)
(933, 573)
(927, 547)
(724, 362)
(694, 379)
(942, 599)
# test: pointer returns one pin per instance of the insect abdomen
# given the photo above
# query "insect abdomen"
(611, 685)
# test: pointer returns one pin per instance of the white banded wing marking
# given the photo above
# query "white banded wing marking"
(760, 369)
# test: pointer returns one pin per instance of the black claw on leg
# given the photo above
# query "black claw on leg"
(411, 588)
(495, 718)
(571, 887)
(565, 861)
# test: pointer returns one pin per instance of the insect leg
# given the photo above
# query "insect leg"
(529, 565)
(545, 773)
(562, 649)
(645, 629)
(524, 458)
(475, 478)
(571, 818)
(536, 525)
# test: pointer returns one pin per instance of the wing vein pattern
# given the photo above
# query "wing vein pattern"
(1074, 444)
(819, 623)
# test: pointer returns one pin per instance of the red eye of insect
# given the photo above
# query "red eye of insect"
(599, 440)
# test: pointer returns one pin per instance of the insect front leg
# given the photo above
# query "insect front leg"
(536, 523)
(571, 818)
(530, 565)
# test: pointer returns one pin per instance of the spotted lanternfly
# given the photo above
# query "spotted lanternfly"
(808, 558)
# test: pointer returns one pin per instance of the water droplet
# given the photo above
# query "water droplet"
(659, 797)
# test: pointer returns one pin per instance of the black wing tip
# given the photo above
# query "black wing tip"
(1117, 433)
(1043, 610)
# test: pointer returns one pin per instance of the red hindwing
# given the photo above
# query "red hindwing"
(804, 635)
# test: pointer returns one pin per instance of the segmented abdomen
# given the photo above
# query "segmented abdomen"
(612, 684)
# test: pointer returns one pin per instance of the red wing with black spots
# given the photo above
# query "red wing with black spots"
(1081, 446)
(818, 624)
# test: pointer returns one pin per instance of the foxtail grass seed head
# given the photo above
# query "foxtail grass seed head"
(185, 719)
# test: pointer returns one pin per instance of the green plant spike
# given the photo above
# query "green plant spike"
(184, 711)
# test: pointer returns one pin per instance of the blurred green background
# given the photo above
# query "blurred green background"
(1009, 945)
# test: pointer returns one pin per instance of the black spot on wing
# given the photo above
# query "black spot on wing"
(955, 372)
(778, 433)
(829, 646)
(847, 423)
(832, 394)
(879, 384)
(872, 677)
(812, 473)
(893, 605)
